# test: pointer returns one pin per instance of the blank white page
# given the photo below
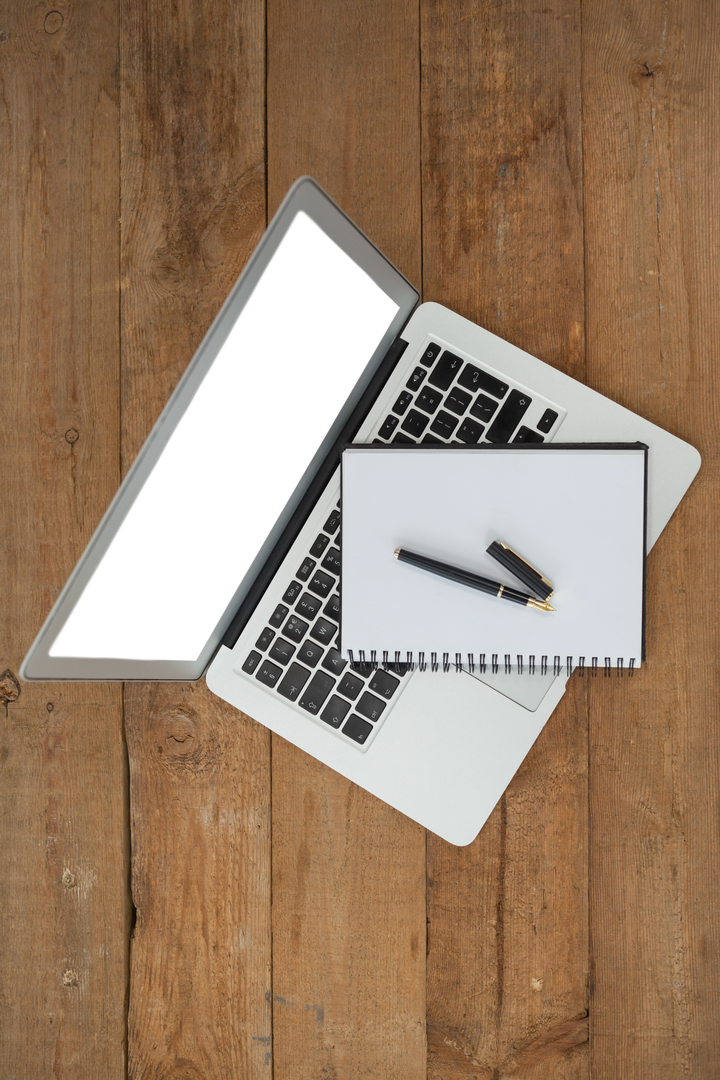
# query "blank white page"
(577, 515)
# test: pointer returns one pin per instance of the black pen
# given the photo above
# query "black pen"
(475, 581)
(521, 569)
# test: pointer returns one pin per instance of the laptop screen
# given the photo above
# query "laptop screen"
(301, 342)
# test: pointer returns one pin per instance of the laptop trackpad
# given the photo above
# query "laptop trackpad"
(527, 690)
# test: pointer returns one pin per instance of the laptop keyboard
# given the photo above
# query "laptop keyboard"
(456, 401)
(445, 400)
(297, 656)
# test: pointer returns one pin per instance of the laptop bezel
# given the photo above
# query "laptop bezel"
(307, 196)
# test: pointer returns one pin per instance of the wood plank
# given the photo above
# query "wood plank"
(348, 928)
(63, 890)
(200, 958)
(193, 204)
(503, 245)
(348, 872)
(342, 100)
(651, 156)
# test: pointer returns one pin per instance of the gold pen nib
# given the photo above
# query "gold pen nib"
(541, 605)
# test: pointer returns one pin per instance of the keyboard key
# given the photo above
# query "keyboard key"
(431, 354)
(473, 378)
(282, 651)
(323, 631)
(331, 561)
(527, 435)
(306, 569)
(321, 542)
(509, 417)
(310, 653)
(293, 682)
(295, 628)
(445, 370)
(332, 523)
(415, 423)
(321, 584)
(383, 683)
(402, 403)
(269, 673)
(252, 662)
(308, 606)
(431, 440)
(547, 420)
(391, 422)
(265, 638)
(428, 399)
(316, 691)
(357, 729)
(350, 686)
(416, 378)
(457, 401)
(332, 608)
(276, 619)
(444, 424)
(292, 592)
(334, 662)
(404, 440)
(484, 408)
(335, 711)
(370, 706)
(470, 431)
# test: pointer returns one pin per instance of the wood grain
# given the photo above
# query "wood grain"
(63, 888)
(503, 245)
(200, 977)
(651, 156)
(348, 928)
(295, 943)
(193, 186)
(343, 87)
(348, 872)
(193, 206)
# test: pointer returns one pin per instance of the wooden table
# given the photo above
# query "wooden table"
(182, 894)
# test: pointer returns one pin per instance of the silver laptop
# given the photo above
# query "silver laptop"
(220, 553)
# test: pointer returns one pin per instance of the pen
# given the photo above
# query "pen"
(475, 581)
(521, 569)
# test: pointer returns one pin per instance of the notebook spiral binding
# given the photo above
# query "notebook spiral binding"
(496, 666)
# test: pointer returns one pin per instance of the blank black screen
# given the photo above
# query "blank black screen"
(297, 349)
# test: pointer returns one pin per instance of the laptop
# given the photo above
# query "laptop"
(219, 555)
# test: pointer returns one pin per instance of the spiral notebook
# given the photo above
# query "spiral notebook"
(576, 512)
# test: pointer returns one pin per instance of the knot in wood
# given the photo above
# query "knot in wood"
(53, 22)
(185, 743)
(70, 978)
(68, 879)
(72, 435)
(643, 74)
(178, 735)
(9, 687)
(168, 272)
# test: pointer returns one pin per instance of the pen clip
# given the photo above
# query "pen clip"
(521, 569)
(526, 563)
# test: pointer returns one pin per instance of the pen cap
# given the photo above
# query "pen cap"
(540, 586)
